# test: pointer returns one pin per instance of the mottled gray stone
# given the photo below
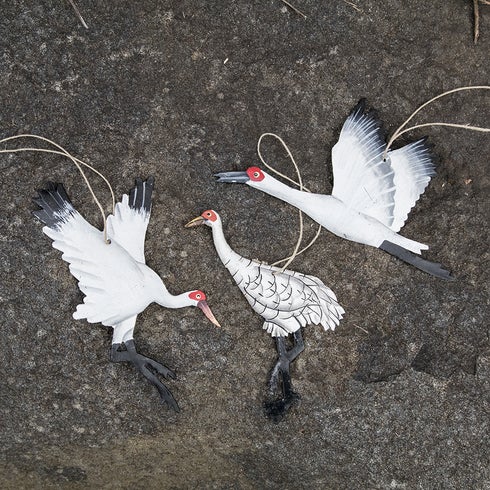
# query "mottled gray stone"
(397, 397)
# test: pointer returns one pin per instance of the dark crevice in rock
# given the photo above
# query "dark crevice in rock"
(443, 362)
(381, 359)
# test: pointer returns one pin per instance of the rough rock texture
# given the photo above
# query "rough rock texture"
(397, 397)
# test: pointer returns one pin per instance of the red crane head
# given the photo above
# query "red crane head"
(210, 215)
(255, 174)
(199, 299)
(197, 295)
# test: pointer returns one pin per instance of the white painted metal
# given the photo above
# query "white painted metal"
(286, 300)
(113, 277)
(371, 197)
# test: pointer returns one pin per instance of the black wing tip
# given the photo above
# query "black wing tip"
(41, 215)
(433, 268)
(427, 149)
(51, 186)
(149, 180)
(361, 104)
(360, 111)
(140, 194)
(54, 205)
(360, 115)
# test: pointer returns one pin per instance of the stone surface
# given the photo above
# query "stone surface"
(397, 397)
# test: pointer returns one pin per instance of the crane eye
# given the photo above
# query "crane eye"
(256, 175)
(209, 216)
(198, 296)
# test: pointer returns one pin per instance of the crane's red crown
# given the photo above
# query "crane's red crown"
(255, 174)
(197, 296)
(210, 215)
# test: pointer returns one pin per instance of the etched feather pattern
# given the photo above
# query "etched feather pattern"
(286, 300)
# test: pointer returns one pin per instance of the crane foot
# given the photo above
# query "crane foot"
(277, 409)
(147, 367)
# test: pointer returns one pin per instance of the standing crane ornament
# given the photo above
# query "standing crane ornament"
(287, 301)
(371, 195)
(113, 276)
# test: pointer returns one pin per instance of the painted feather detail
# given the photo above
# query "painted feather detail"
(383, 189)
(286, 300)
(413, 167)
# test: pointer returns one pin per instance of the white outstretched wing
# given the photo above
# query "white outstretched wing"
(385, 190)
(362, 180)
(127, 226)
(413, 167)
(113, 283)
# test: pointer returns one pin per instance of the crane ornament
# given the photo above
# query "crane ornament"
(286, 300)
(371, 197)
(114, 278)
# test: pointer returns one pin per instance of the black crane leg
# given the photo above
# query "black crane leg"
(278, 408)
(147, 367)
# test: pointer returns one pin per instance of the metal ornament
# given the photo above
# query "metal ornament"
(113, 277)
(371, 196)
(287, 301)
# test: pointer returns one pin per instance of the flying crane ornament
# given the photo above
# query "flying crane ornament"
(371, 195)
(287, 301)
(113, 277)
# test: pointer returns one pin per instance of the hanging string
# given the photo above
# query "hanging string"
(401, 131)
(396, 135)
(78, 163)
(299, 184)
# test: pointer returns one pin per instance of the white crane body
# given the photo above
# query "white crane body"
(337, 217)
(286, 300)
(114, 278)
(371, 197)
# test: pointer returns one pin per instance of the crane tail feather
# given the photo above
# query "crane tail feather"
(432, 268)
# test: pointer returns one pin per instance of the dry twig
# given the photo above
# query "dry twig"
(294, 8)
(476, 12)
(353, 5)
(79, 15)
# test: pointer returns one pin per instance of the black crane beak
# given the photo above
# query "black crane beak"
(232, 177)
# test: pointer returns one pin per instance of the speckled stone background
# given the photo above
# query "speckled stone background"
(397, 397)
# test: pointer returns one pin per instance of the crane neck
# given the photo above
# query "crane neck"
(225, 252)
(275, 188)
(161, 294)
(168, 300)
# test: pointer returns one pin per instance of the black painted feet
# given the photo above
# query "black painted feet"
(147, 367)
(277, 408)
